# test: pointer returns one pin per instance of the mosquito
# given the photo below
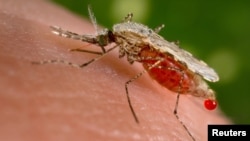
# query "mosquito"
(164, 61)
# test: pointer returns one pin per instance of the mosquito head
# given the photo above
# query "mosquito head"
(105, 37)
(111, 36)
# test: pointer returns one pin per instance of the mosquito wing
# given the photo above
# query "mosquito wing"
(193, 64)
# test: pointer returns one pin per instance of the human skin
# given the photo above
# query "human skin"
(59, 102)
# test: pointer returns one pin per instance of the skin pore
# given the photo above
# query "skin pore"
(59, 102)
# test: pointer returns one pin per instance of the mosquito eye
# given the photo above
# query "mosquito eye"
(111, 36)
(102, 41)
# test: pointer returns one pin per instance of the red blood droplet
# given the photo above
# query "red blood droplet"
(210, 104)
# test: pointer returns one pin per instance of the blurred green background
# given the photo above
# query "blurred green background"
(216, 31)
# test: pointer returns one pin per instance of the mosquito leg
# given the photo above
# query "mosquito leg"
(159, 28)
(73, 64)
(177, 103)
(86, 51)
(133, 79)
(56, 61)
(128, 18)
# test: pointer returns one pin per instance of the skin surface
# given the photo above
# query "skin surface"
(58, 102)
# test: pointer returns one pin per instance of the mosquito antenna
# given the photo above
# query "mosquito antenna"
(92, 18)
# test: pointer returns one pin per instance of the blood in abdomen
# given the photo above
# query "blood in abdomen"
(169, 73)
